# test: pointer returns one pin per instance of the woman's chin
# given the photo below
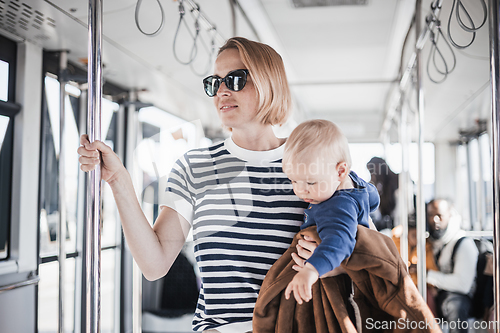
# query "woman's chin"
(231, 123)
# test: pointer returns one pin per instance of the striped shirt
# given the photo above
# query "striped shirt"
(244, 215)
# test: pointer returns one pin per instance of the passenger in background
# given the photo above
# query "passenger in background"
(455, 279)
(430, 263)
(386, 182)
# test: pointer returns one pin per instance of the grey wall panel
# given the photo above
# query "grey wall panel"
(17, 310)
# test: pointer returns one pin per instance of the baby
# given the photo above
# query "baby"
(318, 162)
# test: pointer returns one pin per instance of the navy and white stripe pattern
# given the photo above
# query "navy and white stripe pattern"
(244, 216)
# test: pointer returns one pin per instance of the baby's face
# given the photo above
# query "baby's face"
(313, 181)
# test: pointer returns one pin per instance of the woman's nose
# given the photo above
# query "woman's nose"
(223, 90)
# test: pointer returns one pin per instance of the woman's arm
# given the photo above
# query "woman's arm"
(154, 249)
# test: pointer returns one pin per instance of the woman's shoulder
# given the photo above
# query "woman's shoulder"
(213, 157)
(214, 147)
(203, 153)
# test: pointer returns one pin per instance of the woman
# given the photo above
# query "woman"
(387, 183)
(234, 194)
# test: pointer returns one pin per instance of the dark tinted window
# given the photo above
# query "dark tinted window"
(7, 111)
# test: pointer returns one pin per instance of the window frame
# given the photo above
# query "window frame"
(8, 54)
(51, 68)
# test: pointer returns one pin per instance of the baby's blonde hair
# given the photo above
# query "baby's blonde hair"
(317, 138)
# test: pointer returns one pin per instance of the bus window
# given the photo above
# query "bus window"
(8, 54)
(5, 184)
(49, 213)
(49, 209)
(4, 80)
(487, 182)
(475, 194)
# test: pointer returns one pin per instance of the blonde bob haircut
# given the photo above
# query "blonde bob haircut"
(269, 78)
(316, 138)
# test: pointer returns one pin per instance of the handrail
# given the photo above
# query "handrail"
(479, 234)
(17, 285)
(422, 38)
(205, 21)
(61, 226)
(495, 147)
(404, 180)
(420, 205)
(93, 231)
(10, 108)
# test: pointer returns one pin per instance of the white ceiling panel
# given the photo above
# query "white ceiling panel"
(342, 98)
(340, 60)
(336, 43)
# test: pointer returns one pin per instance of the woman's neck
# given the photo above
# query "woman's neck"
(259, 138)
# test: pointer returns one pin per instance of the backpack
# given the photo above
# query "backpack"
(482, 299)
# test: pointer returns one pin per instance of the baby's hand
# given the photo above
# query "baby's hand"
(302, 283)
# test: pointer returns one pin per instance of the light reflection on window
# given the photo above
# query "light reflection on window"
(361, 153)
(462, 203)
(4, 123)
(165, 138)
(108, 290)
(48, 296)
(487, 188)
(4, 80)
(49, 217)
(4, 222)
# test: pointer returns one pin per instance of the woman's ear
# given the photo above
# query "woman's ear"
(343, 170)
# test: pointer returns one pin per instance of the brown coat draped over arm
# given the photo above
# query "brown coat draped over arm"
(385, 298)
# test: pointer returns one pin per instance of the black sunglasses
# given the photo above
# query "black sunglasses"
(234, 80)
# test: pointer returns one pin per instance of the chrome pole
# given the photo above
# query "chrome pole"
(93, 232)
(495, 144)
(470, 181)
(61, 230)
(421, 271)
(403, 185)
(480, 197)
(134, 133)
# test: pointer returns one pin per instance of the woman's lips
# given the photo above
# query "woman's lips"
(227, 108)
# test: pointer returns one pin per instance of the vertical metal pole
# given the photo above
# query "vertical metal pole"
(79, 310)
(421, 271)
(480, 188)
(495, 144)
(403, 186)
(473, 217)
(93, 232)
(134, 134)
(119, 266)
(61, 230)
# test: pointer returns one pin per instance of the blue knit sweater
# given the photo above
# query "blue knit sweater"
(337, 220)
